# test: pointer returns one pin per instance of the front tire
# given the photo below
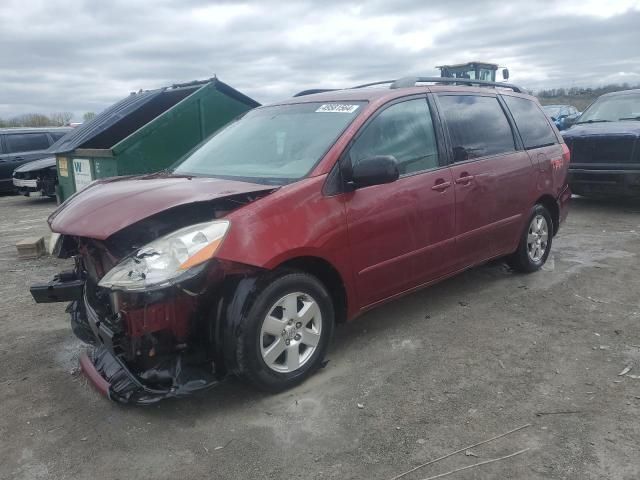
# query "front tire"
(286, 332)
(535, 243)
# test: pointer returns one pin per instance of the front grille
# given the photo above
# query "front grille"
(601, 149)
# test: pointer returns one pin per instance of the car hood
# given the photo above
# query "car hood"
(107, 206)
(625, 128)
(37, 165)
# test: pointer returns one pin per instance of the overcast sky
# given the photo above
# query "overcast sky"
(82, 55)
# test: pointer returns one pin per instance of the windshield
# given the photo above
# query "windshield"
(613, 109)
(276, 144)
(552, 111)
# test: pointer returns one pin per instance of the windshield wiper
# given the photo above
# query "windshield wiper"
(593, 121)
(630, 118)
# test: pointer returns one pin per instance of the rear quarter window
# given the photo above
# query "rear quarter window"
(531, 121)
(477, 126)
(57, 135)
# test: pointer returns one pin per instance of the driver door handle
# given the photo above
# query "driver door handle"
(441, 187)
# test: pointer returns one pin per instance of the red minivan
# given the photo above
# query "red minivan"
(298, 216)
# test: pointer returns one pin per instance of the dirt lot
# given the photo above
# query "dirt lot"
(447, 367)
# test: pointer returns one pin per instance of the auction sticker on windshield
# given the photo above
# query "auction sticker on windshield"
(337, 108)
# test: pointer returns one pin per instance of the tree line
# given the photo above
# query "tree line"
(590, 91)
(56, 119)
(579, 97)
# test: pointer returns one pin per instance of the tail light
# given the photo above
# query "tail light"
(566, 154)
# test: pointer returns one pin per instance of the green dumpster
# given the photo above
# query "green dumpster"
(145, 132)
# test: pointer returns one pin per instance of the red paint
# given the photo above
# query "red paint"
(172, 315)
(405, 233)
(492, 195)
(108, 206)
(383, 240)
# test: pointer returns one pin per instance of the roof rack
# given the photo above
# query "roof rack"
(373, 84)
(406, 82)
(314, 90)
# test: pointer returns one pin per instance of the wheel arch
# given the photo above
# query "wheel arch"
(326, 273)
(552, 206)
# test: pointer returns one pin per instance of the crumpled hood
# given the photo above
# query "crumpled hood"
(37, 165)
(107, 206)
(624, 128)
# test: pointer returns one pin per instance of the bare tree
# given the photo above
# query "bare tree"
(61, 119)
(29, 120)
(88, 116)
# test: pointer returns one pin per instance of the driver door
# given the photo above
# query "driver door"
(401, 234)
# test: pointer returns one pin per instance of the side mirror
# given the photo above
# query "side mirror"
(374, 171)
(505, 74)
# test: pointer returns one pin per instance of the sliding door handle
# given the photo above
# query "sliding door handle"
(465, 180)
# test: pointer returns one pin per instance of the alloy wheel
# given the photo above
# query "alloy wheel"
(537, 238)
(290, 332)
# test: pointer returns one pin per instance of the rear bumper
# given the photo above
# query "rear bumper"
(40, 185)
(26, 187)
(614, 182)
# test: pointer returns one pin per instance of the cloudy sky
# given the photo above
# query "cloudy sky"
(82, 55)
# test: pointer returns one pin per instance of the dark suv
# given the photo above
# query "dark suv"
(22, 145)
(605, 147)
(295, 217)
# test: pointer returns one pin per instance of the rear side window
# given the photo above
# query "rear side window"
(26, 142)
(532, 123)
(405, 131)
(477, 126)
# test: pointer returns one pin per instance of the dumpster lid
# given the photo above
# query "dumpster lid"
(133, 112)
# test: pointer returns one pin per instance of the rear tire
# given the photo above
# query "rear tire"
(286, 332)
(535, 243)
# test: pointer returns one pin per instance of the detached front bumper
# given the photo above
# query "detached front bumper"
(148, 346)
(106, 369)
(110, 376)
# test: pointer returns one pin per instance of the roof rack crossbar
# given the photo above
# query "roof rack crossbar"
(406, 82)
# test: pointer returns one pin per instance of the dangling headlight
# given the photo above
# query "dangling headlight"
(167, 258)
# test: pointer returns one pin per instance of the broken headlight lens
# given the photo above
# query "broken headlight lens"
(167, 258)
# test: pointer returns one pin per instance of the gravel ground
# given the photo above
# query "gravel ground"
(447, 367)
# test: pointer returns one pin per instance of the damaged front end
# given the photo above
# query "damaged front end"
(152, 300)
